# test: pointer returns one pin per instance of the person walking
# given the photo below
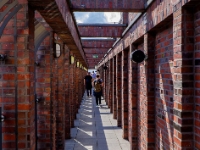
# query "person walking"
(88, 84)
(93, 76)
(98, 86)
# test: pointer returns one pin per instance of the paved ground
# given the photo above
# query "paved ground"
(95, 129)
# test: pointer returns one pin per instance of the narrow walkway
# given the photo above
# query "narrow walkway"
(95, 129)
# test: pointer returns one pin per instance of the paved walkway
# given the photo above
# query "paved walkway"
(95, 129)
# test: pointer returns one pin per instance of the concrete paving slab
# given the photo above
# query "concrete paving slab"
(96, 129)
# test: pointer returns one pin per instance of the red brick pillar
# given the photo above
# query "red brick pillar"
(124, 92)
(142, 104)
(17, 80)
(80, 81)
(60, 126)
(104, 83)
(66, 89)
(119, 88)
(149, 48)
(110, 85)
(74, 100)
(114, 88)
(107, 82)
(83, 73)
(71, 94)
(183, 48)
(43, 92)
(76, 89)
(132, 102)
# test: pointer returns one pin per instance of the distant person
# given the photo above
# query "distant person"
(94, 75)
(88, 84)
(98, 87)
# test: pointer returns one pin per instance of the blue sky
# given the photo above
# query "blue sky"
(97, 17)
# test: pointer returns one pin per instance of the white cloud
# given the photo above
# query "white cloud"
(97, 17)
(112, 17)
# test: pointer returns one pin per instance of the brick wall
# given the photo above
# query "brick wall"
(22, 81)
(197, 79)
(16, 80)
(164, 88)
(167, 85)
(131, 17)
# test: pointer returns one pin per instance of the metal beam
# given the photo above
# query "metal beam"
(101, 31)
(108, 6)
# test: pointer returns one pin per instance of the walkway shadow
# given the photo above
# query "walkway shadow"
(95, 129)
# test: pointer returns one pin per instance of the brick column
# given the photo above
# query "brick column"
(66, 89)
(83, 73)
(74, 100)
(119, 88)
(149, 48)
(43, 92)
(183, 46)
(124, 92)
(17, 80)
(58, 99)
(142, 104)
(76, 79)
(80, 81)
(111, 86)
(107, 82)
(114, 88)
(132, 102)
(71, 89)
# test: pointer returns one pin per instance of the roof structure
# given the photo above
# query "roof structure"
(88, 41)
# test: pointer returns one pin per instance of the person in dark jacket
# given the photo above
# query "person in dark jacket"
(88, 84)
(98, 89)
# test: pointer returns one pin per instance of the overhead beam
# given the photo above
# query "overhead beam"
(97, 44)
(101, 31)
(57, 12)
(95, 39)
(95, 50)
(108, 5)
(100, 25)
(91, 55)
